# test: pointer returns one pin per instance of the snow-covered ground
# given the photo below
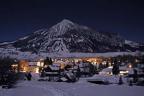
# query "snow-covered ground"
(80, 88)
(15, 53)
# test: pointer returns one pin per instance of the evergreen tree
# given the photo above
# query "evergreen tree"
(107, 64)
(48, 61)
(135, 77)
(5, 64)
(115, 69)
(120, 80)
(92, 69)
(7, 76)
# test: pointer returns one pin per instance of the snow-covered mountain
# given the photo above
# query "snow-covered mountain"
(67, 37)
(131, 43)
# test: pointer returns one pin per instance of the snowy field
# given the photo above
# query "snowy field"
(80, 88)
(13, 53)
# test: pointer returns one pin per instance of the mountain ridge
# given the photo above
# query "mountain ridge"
(68, 37)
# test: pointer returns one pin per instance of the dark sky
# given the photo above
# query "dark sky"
(22, 17)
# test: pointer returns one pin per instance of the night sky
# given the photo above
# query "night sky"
(22, 17)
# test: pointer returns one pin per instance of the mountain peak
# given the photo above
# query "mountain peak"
(66, 21)
(62, 27)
